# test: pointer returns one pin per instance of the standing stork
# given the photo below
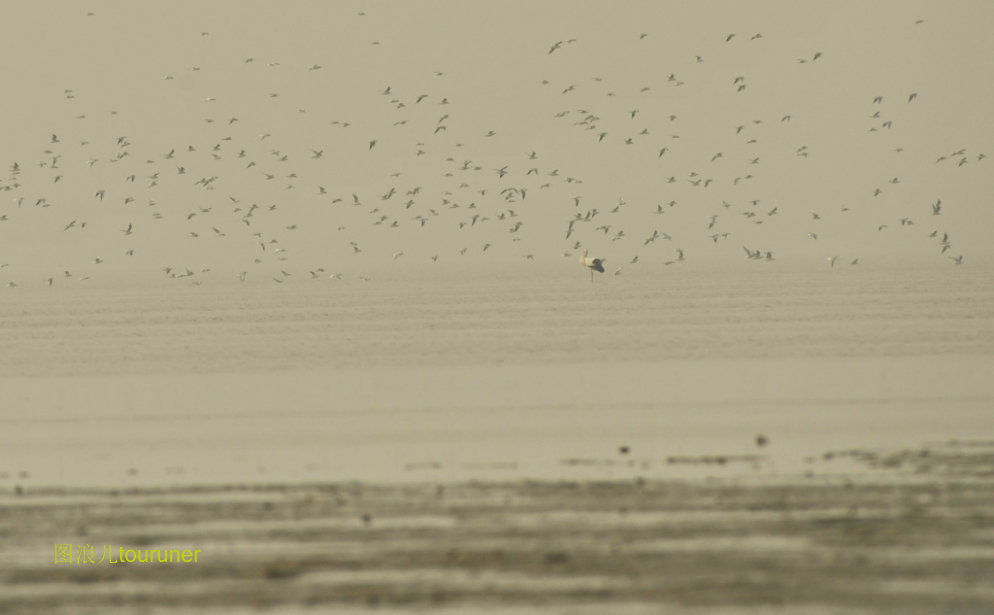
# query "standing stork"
(593, 264)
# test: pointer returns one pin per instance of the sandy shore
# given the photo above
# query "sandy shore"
(577, 489)
(508, 422)
(821, 447)
(908, 531)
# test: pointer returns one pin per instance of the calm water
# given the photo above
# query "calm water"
(546, 317)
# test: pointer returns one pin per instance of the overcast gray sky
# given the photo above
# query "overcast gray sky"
(765, 109)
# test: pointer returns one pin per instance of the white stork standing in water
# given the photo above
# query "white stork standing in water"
(593, 264)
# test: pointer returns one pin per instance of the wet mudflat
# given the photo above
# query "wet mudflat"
(907, 531)
(716, 444)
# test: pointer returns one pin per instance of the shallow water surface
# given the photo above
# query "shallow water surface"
(545, 317)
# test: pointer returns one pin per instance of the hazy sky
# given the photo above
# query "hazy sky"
(245, 95)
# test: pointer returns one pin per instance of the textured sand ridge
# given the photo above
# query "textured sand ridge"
(917, 539)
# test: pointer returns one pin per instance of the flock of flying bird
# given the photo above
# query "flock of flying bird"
(274, 212)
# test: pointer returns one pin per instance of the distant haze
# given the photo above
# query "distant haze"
(766, 111)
